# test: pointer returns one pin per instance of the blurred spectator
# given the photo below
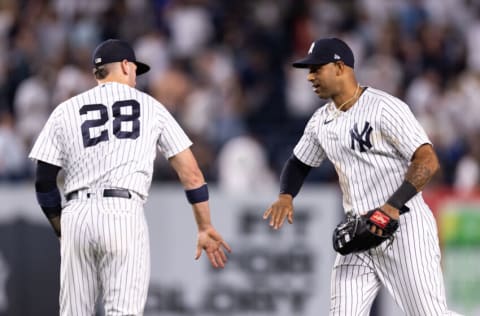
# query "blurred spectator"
(423, 92)
(380, 69)
(171, 88)
(199, 112)
(32, 105)
(223, 68)
(152, 48)
(473, 44)
(467, 175)
(8, 11)
(52, 36)
(71, 80)
(300, 103)
(13, 154)
(243, 167)
(190, 26)
(69, 8)
(215, 109)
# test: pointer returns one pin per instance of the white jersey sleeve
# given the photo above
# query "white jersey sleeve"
(402, 129)
(308, 149)
(173, 139)
(50, 142)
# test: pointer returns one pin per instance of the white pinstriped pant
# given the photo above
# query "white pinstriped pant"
(104, 248)
(409, 269)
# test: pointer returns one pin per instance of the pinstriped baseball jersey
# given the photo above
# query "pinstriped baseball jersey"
(116, 126)
(370, 146)
(106, 138)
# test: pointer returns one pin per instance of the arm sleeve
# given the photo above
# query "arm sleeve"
(48, 195)
(46, 176)
(293, 175)
(46, 189)
(402, 129)
(308, 149)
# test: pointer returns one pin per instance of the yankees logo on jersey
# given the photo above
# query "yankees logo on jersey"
(356, 132)
(362, 138)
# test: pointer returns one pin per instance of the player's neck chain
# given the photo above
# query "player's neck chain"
(341, 106)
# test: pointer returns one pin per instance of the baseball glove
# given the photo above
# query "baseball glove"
(354, 235)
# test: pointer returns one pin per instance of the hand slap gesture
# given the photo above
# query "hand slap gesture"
(214, 245)
(277, 212)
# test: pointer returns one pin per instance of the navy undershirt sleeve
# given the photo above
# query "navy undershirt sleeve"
(293, 175)
(46, 189)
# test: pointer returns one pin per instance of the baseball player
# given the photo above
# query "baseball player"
(105, 140)
(383, 159)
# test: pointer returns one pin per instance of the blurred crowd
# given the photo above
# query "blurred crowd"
(222, 68)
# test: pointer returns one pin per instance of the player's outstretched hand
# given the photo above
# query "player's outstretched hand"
(277, 212)
(210, 240)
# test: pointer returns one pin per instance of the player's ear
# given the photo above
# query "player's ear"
(340, 67)
(125, 67)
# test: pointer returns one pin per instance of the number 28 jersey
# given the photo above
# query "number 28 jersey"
(107, 137)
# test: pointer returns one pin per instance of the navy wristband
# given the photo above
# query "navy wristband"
(197, 195)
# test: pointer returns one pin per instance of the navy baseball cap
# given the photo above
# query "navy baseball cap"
(327, 50)
(114, 50)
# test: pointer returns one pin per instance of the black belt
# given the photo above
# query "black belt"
(121, 193)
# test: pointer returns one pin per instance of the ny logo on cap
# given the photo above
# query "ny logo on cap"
(336, 57)
(310, 50)
(98, 60)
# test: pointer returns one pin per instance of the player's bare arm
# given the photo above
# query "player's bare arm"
(193, 181)
(422, 168)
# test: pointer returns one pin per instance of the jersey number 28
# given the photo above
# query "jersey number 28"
(117, 122)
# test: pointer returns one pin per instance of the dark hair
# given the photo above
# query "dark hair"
(101, 72)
